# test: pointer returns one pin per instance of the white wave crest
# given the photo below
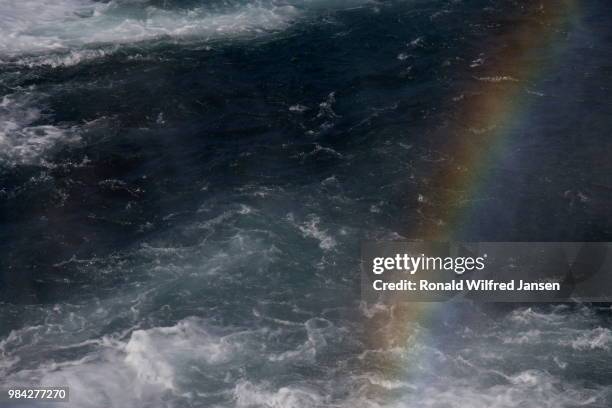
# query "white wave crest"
(155, 354)
(311, 229)
(36, 26)
(23, 139)
(137, 371)
(251, 395)
(598, 338)
(33, 26)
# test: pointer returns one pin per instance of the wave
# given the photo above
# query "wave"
(149, 363)
(28, 26)
(32, 26)
(529, 389)
(248, 394)
(24, 139)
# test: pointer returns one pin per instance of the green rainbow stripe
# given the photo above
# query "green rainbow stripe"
(495, 102)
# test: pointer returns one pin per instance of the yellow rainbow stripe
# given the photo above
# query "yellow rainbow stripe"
(495, 101)
(487, 109)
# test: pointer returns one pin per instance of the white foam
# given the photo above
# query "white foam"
(247, 394)
(528, 389)
(136, 371)
(497, 78)
(527, 337)
(155, 354)
(530, 316)
(33, 26)
(23, 140)
(598, 338)
(64, 59)
(311, 229)
(316, 329)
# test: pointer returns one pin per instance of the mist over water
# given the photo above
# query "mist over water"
(184, 187)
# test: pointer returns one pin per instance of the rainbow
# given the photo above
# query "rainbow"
(497, 100)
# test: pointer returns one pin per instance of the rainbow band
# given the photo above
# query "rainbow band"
(485, 113)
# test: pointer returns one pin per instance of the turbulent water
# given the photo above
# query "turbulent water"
(184, 186)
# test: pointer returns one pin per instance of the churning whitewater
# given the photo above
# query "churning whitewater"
(184, 186)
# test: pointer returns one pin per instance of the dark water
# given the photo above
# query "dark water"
(184, 187)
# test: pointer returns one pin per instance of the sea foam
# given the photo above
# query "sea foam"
(24, 138)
